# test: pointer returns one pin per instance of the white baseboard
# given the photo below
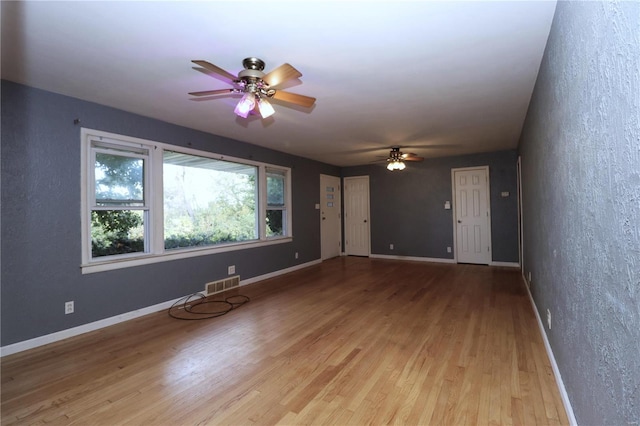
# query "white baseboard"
(280, 272)
(554, 365)
(96, 325)
(81, 329)
(413, 258)
(507, 264)
(439, 260)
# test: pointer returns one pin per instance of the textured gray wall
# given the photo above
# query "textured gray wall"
(41, 252)
(580, 152)
(407, 208)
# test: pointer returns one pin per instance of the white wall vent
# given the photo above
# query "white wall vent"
(221, 285)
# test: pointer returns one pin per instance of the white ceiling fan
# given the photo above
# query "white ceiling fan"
(255, 86)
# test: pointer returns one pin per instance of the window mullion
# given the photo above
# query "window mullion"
(87, 194)
(156, 201)
(119, 153)
(91, 189)
(262, 202)
(118, 207)
(288, 204)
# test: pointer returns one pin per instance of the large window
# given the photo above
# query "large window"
(207, 201)
(145, 202)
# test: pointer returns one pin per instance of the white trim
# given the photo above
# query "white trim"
(413, 258)
(96, 325)
(289, 206)
(520, 214)
(439, 260)
(554, 365)
(262, 201)
(280, 272)
(507, 264)
(85, 328)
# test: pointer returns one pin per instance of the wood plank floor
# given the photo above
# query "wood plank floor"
(350, 341)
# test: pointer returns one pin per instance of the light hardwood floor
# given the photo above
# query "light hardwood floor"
(349, 341)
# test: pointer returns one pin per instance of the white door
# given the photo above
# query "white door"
(356, 216)
(330, 229)
(471, 216)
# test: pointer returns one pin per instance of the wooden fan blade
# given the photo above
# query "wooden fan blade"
(214, 75)
(230, 78)
(294, 98)
(411, 157)
(281, 74)
(211, 92)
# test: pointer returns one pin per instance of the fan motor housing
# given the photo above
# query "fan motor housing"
(253, 64)
(250, 74)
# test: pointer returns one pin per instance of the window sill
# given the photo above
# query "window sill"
(146, 259)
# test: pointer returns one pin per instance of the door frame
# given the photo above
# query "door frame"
(338, 201)
(454, 210)
(520, 218)
(346, 219)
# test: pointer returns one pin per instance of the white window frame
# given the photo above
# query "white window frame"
(154, 223)
(287, 201)
(146, 208)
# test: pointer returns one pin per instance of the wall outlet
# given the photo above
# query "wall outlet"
(232, 269)
(549, 319)
(68, 307)
(390, 246)
(448, 249)
(296, 255)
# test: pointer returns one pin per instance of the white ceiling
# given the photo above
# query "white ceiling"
(442, 77)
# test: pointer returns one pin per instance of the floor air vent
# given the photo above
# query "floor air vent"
(221, 285)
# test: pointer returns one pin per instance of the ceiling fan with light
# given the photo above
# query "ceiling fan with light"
(255, 86)
(397, 158)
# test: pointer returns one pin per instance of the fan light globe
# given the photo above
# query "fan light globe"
(246, 104)
(266, 110)
(396, 164)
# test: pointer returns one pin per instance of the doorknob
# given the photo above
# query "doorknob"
(459, 221)
(323, 218)
(365, 221)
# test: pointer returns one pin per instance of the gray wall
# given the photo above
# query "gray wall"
(407, 208)
(41, 252)
(580, 152)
